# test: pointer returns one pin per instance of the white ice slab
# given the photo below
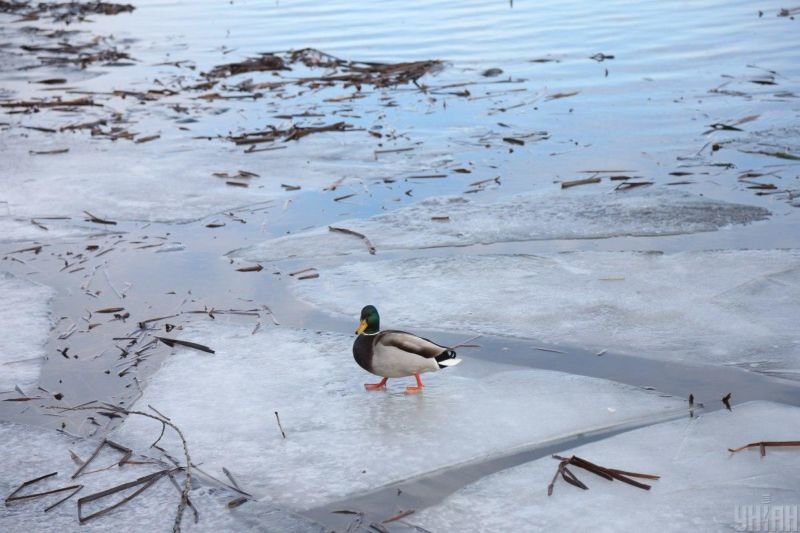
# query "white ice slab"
(24, 326)
(125, 181)
(341, 439)
(30, 452)
(171, 178)
(569, 214)
(714, 307)
(13, 229)
(702, 487)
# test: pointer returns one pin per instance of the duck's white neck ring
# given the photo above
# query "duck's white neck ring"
(370, 334)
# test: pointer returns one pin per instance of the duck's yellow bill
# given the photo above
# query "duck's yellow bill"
(361, 327)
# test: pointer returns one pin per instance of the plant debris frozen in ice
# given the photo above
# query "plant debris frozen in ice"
(31, 452)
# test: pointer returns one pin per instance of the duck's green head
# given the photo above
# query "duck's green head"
(370, 321)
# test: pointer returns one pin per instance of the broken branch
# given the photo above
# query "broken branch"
(607, 473)
(172, 342)
(763, 445)
(370, 246)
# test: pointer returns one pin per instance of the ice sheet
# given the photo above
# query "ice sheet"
(528, 216)
(125, 181)
(702, 487)
(341, 439)
(30, 452)
(13, 229)
(24, 326)
(171, 178)
(705, 307)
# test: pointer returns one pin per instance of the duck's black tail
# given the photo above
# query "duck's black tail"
(447, 358)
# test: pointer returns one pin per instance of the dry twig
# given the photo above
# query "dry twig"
(763, 445)
(607, 473)
(370, 246)
(11, 498)
(114, 411)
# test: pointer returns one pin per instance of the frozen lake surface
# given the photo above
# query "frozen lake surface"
(25, 315)
(31, 452)
(552, 215)
(720, 307)
(342, 441)
(607, 192)
(702, 485)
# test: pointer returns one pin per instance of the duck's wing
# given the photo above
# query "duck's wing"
(408, 342)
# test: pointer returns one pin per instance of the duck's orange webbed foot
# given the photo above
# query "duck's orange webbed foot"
(376, 386)
(419, 387)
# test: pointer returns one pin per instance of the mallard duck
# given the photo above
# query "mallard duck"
(396, 354)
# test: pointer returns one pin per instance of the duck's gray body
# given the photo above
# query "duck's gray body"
(396, 354)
